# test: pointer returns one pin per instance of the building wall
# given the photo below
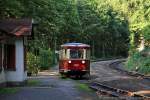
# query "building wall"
(2, 74)
(2, 77)
(19, 75)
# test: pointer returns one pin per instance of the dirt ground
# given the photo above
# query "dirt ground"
(103, 73)
(49, 86)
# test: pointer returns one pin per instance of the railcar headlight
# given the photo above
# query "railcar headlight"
(69, 61)
(83, 62)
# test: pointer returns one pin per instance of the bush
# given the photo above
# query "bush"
(32, 63)
(43, 61)
(45, 58)
(140, 62)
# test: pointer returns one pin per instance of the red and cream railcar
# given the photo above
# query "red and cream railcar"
(74, 59)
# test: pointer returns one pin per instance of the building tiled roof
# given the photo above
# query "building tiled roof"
(17, 27)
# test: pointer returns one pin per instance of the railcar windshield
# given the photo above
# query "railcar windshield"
(75, 54)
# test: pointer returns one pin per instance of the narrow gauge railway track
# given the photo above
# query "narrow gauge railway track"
(97, 60)
(130, 73)
(115, 92)
(103, 89)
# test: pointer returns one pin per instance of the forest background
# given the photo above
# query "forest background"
(113, 28)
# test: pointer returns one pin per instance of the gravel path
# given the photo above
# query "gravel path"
(103, 73)
(51, 87)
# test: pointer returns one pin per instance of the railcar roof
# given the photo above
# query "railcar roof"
(75, 45)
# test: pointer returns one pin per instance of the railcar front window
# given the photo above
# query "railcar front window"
(76, 54)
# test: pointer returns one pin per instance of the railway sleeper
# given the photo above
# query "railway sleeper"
(107, 90)
(131, 73)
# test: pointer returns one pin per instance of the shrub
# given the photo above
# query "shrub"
(139, 61)
(45, 58)
(9, 90)
(32, 63)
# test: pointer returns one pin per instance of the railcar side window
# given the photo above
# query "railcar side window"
(64, 54)
(87, 54)
(60, 54)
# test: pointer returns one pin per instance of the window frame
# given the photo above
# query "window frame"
(10, 57)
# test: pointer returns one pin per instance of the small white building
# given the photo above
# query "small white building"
(13, 37)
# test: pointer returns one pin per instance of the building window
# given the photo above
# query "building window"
(10, 57)
(1, 57)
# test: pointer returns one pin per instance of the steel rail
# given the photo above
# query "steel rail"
(130, 73)
(115, 92)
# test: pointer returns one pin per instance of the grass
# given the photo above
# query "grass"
(65, 78)
(83, 87)
(139, 63)
(9, 90)
(33, 82)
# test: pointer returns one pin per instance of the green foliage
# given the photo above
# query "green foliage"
(146, 35)
(32, 63)
(94, 22)
(138, 15)
(102, 27)
(33, 82)
(139, 62)
(45, 58)
(137, 12)
(109, 26)
(83, 87)
(8, 90)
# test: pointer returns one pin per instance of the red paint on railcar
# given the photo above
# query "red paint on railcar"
(75, 65)
(74, 59)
